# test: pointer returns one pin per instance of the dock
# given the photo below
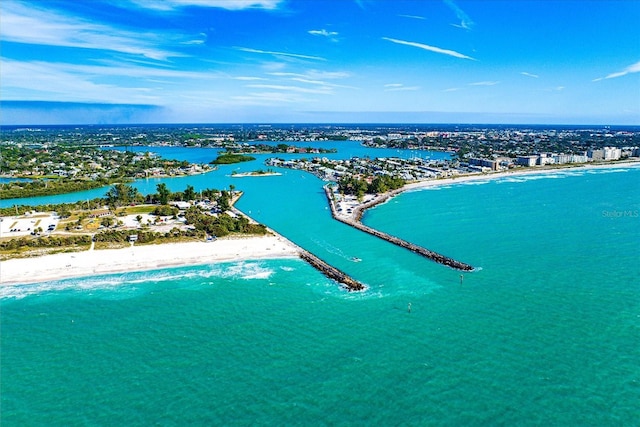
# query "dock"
(434, 256)
(333, 273)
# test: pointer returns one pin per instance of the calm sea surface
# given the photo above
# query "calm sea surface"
(546, 332)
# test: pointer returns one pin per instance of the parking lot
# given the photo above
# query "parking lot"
(25, 225)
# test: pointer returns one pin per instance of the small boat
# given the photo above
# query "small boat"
(356, 259)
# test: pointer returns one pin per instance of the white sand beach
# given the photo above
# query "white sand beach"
(348, 208)
(148, 257)
(517, 172)
(140, 258)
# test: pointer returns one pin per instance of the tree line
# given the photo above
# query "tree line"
(123, 194)
(359, 187)
(48, 187)
(202, 224)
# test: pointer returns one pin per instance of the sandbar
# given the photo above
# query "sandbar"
(143, 257)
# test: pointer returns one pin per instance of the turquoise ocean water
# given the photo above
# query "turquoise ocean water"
(546, 332)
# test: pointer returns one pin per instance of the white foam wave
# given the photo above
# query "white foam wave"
(247, 270)
(598, 171)
(127, 282)
(536, 177)
(479, 182)
(19, 291)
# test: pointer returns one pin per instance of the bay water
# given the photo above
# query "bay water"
(545, 331)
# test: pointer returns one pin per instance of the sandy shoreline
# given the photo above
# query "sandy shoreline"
(149, 257)
(358, 209)
(518, 172)
(140, 258)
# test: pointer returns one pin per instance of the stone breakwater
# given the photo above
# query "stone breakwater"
(357, 214)
(332, 272)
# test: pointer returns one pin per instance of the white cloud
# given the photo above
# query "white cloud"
(485, 83)
(166, 5)
(361, 4)
(430, 48)
(31, 25)
(291, 55)
(634, 68)
(40, 80)
(412, 17)
(316, 78)
(199, 41)
(452, 89)
(297, 89)
(268, 98)
(307, 81)
(400, 87)
(555, 89)
(323, 32)
(96, 83)
(524, 73)
(314, 74)
(465, 22)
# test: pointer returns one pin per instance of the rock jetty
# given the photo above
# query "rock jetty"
(332, 273)
(358, 211)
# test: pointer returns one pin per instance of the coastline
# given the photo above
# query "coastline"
(141, 258)
(358, 209)
(518, 172)
(150, 257)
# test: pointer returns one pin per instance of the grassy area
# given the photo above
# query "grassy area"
(138, 209)
(111, 245)
(92, 224)
(29, 252)
(157, 241)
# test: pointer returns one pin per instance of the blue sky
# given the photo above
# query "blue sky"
(241, 61)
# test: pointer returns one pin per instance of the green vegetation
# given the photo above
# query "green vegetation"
(137, 209)
(360, 187)
(145, 236)
(63, 169)
(163, 193)
(222, 224)
(229, 158)
(88, 220)
(122, 195)
(79, 242)
(47, 187)
(165, 210)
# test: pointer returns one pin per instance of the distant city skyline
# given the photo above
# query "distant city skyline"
(295, 61)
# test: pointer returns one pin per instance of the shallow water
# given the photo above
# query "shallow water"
(545, 332)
